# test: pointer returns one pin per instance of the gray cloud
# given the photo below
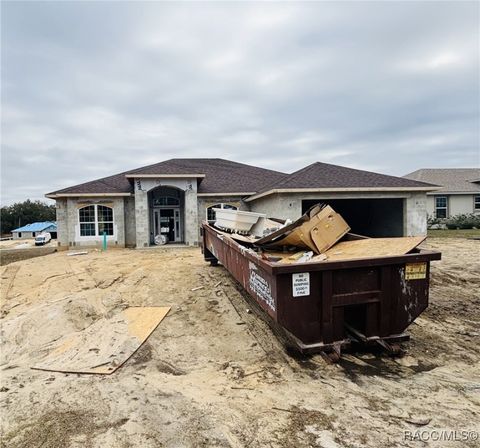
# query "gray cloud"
(94, 88)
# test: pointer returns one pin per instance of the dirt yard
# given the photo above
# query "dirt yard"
(212, 374)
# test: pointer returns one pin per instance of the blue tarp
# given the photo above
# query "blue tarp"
(38, 227)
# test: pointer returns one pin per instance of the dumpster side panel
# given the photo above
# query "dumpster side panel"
(298, 313)
(246, 269)
(411, 297)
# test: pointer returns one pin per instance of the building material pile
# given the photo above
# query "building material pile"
(321, 234)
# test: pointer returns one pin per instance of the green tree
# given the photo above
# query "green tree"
(23, 213)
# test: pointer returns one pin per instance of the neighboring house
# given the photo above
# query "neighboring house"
(173, 198)
(32, 230)
(459, 192)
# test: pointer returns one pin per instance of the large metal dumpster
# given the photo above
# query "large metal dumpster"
(324, 306)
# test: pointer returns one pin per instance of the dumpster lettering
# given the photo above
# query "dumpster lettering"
(261, 288)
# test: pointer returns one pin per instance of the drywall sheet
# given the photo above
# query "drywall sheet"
(373, 247)
(106, 344)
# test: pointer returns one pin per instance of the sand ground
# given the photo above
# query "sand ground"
(214, 375)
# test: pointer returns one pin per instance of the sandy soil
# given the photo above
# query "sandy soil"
(214, 375)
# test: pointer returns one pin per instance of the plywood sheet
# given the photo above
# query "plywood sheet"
(373, 247)
(106, 344)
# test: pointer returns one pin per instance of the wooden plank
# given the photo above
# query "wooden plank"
(106, 344)
(373, 247)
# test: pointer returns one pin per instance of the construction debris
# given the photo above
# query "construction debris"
(321, 234)
(106, 344)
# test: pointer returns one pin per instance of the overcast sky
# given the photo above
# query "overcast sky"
(90, 89)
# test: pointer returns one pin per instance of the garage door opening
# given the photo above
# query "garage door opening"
(369, 217)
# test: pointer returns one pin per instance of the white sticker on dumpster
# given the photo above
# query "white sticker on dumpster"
(301, 284)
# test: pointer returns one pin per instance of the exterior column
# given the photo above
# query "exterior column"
(62, 223)
(142, 224)
(191, 215)
(415, 215)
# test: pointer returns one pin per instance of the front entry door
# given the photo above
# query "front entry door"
(166, 221)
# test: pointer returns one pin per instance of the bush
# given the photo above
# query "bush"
(465, 221)
(432, 221)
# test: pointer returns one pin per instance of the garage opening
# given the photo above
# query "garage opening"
(369, 217)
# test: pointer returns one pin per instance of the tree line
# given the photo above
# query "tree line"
(23, 213)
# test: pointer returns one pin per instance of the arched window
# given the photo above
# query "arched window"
(105, 220)
(95, 219)
(211, 212)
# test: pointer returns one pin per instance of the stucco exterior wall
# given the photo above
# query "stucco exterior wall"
(68, 226)
(430, 206)
(458, 204)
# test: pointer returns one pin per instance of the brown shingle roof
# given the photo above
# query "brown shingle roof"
(454, 180)
(324, 175)
(225, 176)
(117, 183)
(221, 176)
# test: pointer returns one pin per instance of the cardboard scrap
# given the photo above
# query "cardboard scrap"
(106, 344)
(317, 230)
(373, 247)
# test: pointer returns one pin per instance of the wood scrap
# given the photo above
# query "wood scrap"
(113, 340)
(373, 247)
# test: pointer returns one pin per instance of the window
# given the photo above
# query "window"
(441, 206)
(19, 234)
(476, 203)
(95, 219)
(34, 234)
(211, 212)
(86, 218)
(105, 220)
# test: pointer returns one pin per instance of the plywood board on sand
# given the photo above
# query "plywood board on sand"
(373, 247)
(106, 344)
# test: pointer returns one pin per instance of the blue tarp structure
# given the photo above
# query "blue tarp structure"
(38, 227)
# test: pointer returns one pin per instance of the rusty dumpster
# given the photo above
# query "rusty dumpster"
(325, 306)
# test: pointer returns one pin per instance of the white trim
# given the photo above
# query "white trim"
(85, 195)
(338, 190)
(465, 193)
(224, 194)
(160, 176)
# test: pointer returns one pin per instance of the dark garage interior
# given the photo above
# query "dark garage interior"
(369, 217)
